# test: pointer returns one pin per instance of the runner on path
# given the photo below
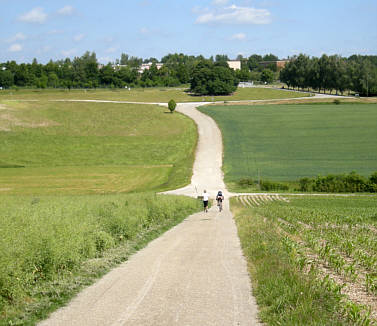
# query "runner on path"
(205, 201)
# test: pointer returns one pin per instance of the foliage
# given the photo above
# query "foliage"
(357, 73)
(172, 105)
(267, 76)
(351, 182)
(213, 79)
(289, 142)
(270, 185)
(45, 241)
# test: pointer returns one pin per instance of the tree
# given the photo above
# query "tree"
(6, 78)
(267, 76)
(221, 58)
(253, 61)
(172, 105)
(270, 57)
(243, 74)
(213, 79)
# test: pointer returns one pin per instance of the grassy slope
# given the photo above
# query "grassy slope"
(147, 95)
(287, 142)
(93, 148)
(53, 246)
(286, 292)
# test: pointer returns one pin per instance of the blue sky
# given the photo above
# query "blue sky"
(153, 28)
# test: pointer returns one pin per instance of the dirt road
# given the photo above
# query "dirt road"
(195, 274)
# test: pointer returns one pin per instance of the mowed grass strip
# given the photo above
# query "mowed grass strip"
(146, 94)
(83, 148)
(287, 142)
(51, 247)
(279, 240)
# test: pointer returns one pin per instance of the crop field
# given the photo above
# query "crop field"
(85, 148)
(53, 246)
(287, 142)
(313, 258)
(146, 94)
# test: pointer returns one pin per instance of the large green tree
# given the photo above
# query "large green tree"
(213, 79)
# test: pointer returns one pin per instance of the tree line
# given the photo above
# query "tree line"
(86, 72)
(356, 73)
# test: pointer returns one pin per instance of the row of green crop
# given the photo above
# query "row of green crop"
(285, 294)
(340, 231)
(329, 228)
(44, 240)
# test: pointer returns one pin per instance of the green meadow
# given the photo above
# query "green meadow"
(145, 94)
(287, 142)
(84, 148)
(67, 215)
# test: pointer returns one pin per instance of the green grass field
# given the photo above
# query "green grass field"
(83, 148)
(51, 247)
(146, 95)
(312, 260)
(287, 142)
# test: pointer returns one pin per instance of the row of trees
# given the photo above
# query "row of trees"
(85, 71)
(356, 73)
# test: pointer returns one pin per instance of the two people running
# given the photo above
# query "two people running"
(219, 199)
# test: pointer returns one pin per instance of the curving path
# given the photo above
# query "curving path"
(194, 274)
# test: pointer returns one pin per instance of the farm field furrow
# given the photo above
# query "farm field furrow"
(330, 242)
(287, 142)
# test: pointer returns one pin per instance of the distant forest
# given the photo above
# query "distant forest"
(356, 73)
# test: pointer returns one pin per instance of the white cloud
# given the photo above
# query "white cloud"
(66, 11)
(36, 15)
(238, 36)
(15, 47)
(236, 15)
(19, 36)
(68, 53)
(78, 37)
(220, 2)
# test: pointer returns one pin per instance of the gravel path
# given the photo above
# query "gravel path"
(194, 274)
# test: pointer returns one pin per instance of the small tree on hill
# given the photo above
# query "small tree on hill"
(172, 105)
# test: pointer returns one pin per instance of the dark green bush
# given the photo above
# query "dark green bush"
(334, 183)
(269, 185)
(246, 182)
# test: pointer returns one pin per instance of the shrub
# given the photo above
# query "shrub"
(172, 105)
(246, 182)
(337, 101)
(333, 183)
(269, 185)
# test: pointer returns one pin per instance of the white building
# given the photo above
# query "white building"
(234, 64)
(147, 66)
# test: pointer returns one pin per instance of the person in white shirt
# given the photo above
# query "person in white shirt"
(205, 201)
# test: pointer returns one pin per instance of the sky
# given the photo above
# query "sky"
(46, 29)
